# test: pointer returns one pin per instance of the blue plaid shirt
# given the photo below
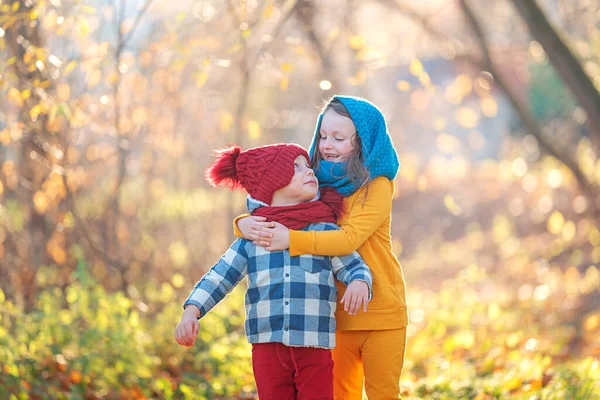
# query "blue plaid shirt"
(290, 300)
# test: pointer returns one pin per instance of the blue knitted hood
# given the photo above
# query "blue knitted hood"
(379, 155)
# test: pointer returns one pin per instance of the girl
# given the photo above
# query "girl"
(353, 152)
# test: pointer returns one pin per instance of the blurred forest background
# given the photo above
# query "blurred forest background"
(109, 114)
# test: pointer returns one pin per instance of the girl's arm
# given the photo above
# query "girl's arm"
(364, 218)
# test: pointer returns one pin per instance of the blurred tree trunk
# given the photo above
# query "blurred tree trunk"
(565, 62)
(521, 108)
(32, 164)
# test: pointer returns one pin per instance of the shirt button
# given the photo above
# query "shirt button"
(287, 275)
(285, 329)
(287, 302)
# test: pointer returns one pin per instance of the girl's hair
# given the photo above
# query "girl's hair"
(356, 171)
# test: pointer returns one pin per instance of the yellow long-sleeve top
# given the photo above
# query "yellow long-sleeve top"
(365, 227)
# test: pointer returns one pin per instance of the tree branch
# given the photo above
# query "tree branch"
(521, 108)
(563, 60)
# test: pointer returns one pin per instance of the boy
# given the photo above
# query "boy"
(290, 301)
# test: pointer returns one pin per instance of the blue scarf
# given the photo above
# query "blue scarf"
(333, 174)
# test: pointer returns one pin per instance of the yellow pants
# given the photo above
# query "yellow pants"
(375, 356)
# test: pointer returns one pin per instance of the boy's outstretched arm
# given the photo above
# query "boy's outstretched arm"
(231, 268)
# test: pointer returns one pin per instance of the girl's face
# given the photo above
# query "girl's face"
(335, 137)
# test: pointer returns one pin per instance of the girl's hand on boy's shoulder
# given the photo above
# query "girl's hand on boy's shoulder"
(188, 327)
(280, 237)
(252, 228)
(357, 293)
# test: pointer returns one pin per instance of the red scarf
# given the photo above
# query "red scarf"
(328, 208)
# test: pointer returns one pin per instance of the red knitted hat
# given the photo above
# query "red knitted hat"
(261, 170)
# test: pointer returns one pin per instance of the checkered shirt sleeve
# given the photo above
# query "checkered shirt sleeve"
(231, 268)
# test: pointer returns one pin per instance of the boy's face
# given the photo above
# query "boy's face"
(335, 137)
(302, 188)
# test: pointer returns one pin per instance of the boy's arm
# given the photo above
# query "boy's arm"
(351, 268)
(363, 220)
(231, 268)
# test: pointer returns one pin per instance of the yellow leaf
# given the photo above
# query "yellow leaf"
(5, 137)
(356, 42)
(158, 188)
(34, 14)
(287, 67)
(14, 97)
(112, 77)
(556, 222)
(54, 125)
(93, 78)
(568, 232)
(59, 255)
(513, 383)
(25, 94)
(63, 92)
(178, 253)
(253, 129)
(425, 79)
(40, 202)
(453, 94)
(225, 121)
(67, 70)
(502, 229)
(467, 117)
(489, 107)
(178, 280)
(403, 86)
(416, 68)
(592, 322)
(334, 33)
(464, 84)
(201, 79)
(268, 11)
(8, 168)
(139, 116)
(15, 6)
(447, 143)
(451, 205)
(11, 61)
(84, 27)
(36, 111)
(284, 83)
(439, 123)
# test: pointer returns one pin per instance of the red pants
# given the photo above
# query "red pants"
(292, 373)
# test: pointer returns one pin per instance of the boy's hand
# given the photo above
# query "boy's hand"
(251, 228)
(356, 294)
(187, 329)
